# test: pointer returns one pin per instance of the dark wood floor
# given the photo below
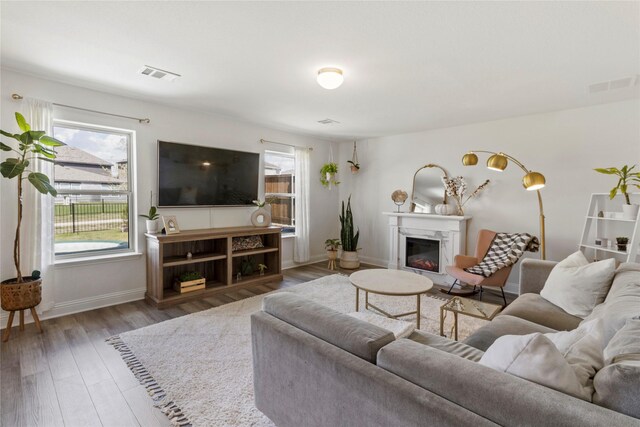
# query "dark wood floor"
(69, 376)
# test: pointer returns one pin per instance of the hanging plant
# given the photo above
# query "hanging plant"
(355, 166)
(328, 174)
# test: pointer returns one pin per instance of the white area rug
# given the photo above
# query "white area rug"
(198, 367)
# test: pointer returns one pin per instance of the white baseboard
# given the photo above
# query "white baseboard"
(312, 260)
(374, 261)
(83, 304)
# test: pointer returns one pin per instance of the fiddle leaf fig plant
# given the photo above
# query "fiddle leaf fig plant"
(29, 145)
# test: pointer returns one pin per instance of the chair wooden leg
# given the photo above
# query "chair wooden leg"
(36, 319)
(503, 297)
(7, 331)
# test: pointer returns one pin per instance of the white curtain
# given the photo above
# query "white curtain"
(37, 250)
(301, 244)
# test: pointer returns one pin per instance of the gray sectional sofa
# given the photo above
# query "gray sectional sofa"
(314, 366)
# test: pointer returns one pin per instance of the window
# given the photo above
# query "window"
(279, 188)
(93, 179)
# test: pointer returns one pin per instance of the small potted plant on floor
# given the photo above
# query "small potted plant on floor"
(328, 174)
(25, 291)
(331, 246)
(348, 239)
(626, 178)
(152, 220)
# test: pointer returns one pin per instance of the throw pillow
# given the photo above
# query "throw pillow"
(245, 243)
(534, 358)
(625, 345)
(582, 349)
(577, 286)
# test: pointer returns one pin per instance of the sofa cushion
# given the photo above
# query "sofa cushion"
(503, 325)
(617, 385)
(536, 309)
(622, 302)
(353, 335)
(445, 344)
(535, 358)
(578, 286)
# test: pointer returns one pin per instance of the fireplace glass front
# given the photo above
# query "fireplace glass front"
(423, 254)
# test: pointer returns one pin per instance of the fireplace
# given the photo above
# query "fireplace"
(422, 254)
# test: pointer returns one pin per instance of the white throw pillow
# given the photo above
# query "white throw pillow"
(577, 286)
(534, 358)
(582, 348)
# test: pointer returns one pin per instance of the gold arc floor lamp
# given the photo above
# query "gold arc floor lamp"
(532, 181)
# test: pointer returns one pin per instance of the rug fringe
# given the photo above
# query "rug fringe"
(170, 409)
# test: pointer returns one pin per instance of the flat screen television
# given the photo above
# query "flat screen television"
(192, 175)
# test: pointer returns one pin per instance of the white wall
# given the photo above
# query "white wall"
(565, 146)
(102, 283)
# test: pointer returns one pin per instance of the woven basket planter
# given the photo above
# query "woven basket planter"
(20, 296)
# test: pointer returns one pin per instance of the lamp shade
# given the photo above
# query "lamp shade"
(470, 159)
(533, 181)
(330, 78)
(497, 162)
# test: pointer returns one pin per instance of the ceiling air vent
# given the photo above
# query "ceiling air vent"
(157, 73)
(328, 121)
(613, 84)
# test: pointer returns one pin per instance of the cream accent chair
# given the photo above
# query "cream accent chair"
(460, 262)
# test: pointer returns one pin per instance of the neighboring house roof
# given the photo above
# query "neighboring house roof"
(69, 154)
(268, 165)
(71, 174)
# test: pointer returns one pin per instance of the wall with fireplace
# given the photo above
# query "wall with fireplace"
(564, 145)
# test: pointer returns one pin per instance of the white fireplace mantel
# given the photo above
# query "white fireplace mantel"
(451, 231)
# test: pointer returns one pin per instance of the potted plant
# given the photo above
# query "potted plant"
(331, 246)
(328, 174)
(348, 239)
(625, 179)
(622, 243)
(190, 281)
(355, 167)
(32, 145)
(152, 220)
(247, 266)
(262, 268)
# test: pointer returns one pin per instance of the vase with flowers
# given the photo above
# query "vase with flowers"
(456, 188)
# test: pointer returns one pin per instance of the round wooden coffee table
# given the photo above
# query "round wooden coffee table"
(392, 283)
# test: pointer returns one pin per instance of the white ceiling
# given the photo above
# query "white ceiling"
(408, 66)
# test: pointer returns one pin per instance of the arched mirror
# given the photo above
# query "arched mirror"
(428, 189)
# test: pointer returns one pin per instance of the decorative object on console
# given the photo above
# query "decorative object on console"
(626, 178)
(355, 166)
(331, 246)
(190, 281)
(349, 240)
(399, 197)
(532, 181)
(170, 224)
(152, 220)
(427, 191)
(247, 266)
(261, 217)
(622, 243)
(262, 268)
(246, 243)
(33, 145)
(328, 174)
(456, 187)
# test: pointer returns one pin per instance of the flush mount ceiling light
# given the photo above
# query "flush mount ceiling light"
(330, 78)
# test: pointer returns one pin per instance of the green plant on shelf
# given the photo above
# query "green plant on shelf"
(625, 177)
(153, 214)
(247, 266)
(262, 268)
(188, 276)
